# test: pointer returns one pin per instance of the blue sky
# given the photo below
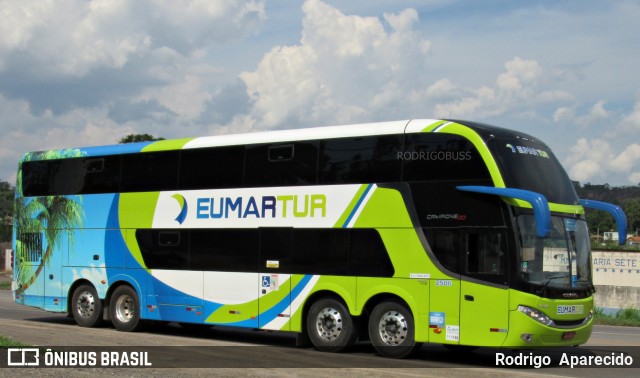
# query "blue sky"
(82, 73)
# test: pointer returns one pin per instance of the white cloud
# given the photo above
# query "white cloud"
(72, 37)
(345, 69)
(520, 87)
(596, 159)
(596, 113)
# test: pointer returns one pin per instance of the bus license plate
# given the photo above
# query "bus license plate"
(568, 335)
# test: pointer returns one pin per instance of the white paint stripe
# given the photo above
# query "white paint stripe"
(362, 205)
(437, 129)
(278, 323)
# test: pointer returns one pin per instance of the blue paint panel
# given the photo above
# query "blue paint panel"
(127, 148)
(615, 211)
(180, 313)
(272, 313)
(357, 206)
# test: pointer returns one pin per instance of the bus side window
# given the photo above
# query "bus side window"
(360, 160)
(35, 177)
(211, 168)
(275, 249)
(485, 253)
(445, 244)
(149, 171)
(289, 164)
(224, 250)
(164, 249)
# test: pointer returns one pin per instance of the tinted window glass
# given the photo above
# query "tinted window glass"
(151, 171)
(436, 156)
(35, 178)
(219, 167)
(275, 250)
(360, 160)
(281, 164)
(321, 251)
(164, 249)
(226, 250)
(486, 253)
(355, 252)
(102, 175)
(368, 255)
(532, 166)
(67, 176)
(445, 245)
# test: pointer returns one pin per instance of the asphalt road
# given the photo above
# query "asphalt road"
(229, 352)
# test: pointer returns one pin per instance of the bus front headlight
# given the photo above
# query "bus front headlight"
(535, 315)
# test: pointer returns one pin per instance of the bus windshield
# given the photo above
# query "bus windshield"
(561, 260)
(529, 165)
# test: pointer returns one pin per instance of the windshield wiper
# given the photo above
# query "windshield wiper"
(546, 283)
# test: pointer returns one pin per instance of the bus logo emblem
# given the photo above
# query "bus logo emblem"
(183, 207)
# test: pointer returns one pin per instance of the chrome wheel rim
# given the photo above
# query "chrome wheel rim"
(329, 324)
(393, 328)
(125, 308)
(86, 304)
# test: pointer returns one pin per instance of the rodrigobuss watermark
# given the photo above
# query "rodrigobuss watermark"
(435, 155)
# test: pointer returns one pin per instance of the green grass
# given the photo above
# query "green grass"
(5, 285)
(7, 342)
(624, 317)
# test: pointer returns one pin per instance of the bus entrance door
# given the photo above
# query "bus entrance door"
(275, 301)
(275, 281)
(444, 311)
(483, 288)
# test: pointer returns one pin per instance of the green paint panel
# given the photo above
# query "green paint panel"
(344, 287)
(484, 314)
(136, 210)
(432, 126)
(385, 208)
(166, 145)
(476, 140)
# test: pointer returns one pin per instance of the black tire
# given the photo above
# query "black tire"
(86, 306)
(124, 309)
(330, 326)
(392, 330)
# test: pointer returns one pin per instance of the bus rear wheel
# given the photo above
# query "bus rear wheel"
(86, 306)
(124, 309)
(330, 326)
(392, 330)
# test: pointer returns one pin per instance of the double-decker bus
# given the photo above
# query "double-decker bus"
(401, 233)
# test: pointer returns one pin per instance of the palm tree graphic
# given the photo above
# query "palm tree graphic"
(51, 215)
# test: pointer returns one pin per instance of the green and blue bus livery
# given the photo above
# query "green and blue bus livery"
(404, 232)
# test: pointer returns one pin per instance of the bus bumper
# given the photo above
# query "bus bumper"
(525, 332)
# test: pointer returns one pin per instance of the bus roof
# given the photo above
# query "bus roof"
(326, 132)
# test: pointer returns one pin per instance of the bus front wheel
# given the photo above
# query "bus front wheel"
(86, 306)
(330, 326)
(392, 330)
(124, 309)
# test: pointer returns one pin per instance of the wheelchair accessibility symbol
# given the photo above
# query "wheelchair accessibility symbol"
(266, 281)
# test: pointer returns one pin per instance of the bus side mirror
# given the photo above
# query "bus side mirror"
(616, 211)
(539, 203)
